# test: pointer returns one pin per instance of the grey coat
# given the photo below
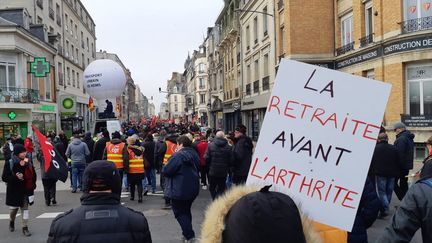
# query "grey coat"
(77, 151)
(415, 212)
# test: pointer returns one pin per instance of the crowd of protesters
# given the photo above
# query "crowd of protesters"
(189, 160)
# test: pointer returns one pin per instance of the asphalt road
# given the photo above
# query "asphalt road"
(164, 228)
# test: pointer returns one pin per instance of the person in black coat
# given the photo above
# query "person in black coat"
(160, 150)
(7, 149)
(219, 158)
(242, 155)
(99, 147)
(404, 143)
(385, 167)
(48, 183)
(20, 177)
(182, 183)
(149, 154)
(101, 217)
(367, 213)
(90, 144)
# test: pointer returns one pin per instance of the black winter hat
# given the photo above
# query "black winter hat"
(102, 175)
(18, 148)
(116, 134)
(264, 216)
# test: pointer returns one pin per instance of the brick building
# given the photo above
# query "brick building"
(391, 42)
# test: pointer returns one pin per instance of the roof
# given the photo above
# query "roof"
(5, 22)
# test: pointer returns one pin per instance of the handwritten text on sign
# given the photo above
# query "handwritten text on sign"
(317, 139)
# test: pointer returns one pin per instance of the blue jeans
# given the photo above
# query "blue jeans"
(151, 178)
(144, 183)
(77, 173)
(182, 212)
(384, 187)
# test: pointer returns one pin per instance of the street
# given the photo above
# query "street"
(163, 226)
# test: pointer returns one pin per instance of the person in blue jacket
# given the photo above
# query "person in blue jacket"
(182, 184)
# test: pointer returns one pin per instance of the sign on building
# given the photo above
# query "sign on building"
(317, 139)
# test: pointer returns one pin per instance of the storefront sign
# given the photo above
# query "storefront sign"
(248, 103)
(408, 45)
(417, 121)
(415, 43)
(68, 104)
(320, 127)
(50, 108)
(360, 57)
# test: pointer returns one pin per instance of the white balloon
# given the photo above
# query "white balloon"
(104, 79)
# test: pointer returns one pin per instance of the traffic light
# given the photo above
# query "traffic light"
(160, 90)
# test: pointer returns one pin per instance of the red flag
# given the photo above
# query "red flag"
(54, 165)
(153, 122)
(91, 104)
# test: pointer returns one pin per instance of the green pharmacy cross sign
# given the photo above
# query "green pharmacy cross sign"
(40, 67)
(12, 115)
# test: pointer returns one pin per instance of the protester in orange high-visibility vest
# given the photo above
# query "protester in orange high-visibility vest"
(171, 148)
(136, 168)
(116, 151)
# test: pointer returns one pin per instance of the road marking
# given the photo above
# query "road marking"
(48, 215)
(6, 216)
(124, 194)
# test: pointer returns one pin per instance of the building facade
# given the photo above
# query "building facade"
(176, 95)
(215, 77)
(24, 98)
(257, 21)
(71, 31)
(151, 110)
(390, 42)
(164, 111)
(230, 51)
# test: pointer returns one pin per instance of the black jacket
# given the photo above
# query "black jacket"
(367, 213)
(149, 152)
(90, 144)
(100, 219)
(159, 152)
(405, 145)
(385, 161)
(219, 157)
(99, 148)
(7, 152)
(242, 156)
(15, 188)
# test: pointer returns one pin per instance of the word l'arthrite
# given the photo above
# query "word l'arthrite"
(292, 109)
(311, 187)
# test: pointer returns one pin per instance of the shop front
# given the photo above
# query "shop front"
(253, 112)
(216, 114)
(44, 116)
(232, 115)
(14, 121)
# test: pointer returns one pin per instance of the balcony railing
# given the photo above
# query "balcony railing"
(414, 25)
(366, 40)
(19, 95)
(51, 13)
(344, 49)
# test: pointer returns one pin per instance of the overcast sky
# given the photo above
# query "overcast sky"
(152, 38)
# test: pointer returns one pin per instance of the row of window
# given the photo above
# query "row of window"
(72, 76)
(75, 6)
(8, 81)
(255, 29)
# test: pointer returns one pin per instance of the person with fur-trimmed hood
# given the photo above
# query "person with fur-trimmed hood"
(246, 214)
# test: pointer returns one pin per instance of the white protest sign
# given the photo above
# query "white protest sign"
(317, 139)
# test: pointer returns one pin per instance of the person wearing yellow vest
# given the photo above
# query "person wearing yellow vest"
(135, 174)
(116, 151)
